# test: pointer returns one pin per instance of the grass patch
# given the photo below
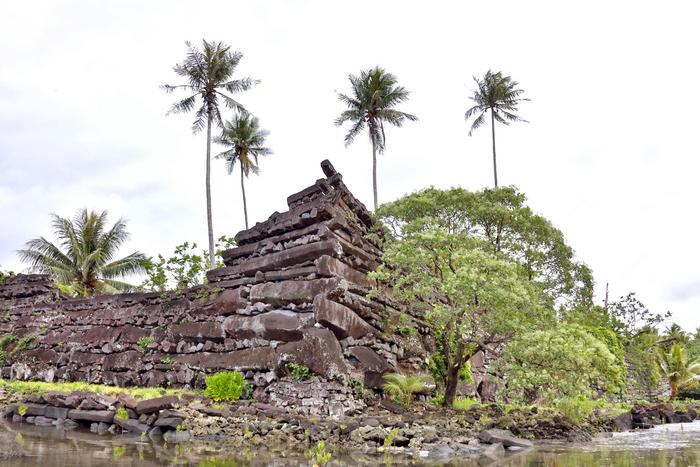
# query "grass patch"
(464, 403)
(40, 387)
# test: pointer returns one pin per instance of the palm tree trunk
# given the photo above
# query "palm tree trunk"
(245, 205)
(210, 227)
(493, 141)
(374, 170)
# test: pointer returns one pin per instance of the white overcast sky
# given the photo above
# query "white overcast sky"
(610, 154)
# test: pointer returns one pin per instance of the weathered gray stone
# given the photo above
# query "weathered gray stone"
(154, 405)
(281, 293)
(176, 437)
(319, 350)
(504, 437)
(91, 415)
(56, 412)
(340, 319)
(258, 358)
(122, 361)
(170, 422)
(280, 325)
(196, 331)
(131, 425)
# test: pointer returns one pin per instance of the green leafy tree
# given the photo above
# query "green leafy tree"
(185, 268)
(5, 275)
(374, 95)
(84, 256)
(681, 371)
(630, 316)
(245, 142)
(498, 95)
(477, 300)
(674, 334)
(566, 361)
(506, 226)
(209, 73)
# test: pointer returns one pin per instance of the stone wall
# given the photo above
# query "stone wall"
(294, 289)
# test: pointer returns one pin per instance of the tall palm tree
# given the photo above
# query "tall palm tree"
(246, 142)
(209, 73)
(682, 372)
(499, 95)
(84, 256)
(371, 103)
(675, 334)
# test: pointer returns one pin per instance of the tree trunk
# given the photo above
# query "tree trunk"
(245, 205)
(374, 170)
(674, 390)
(493, 142)
(208, 188)
(451, 386)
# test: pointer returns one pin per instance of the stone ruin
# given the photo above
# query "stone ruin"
(294, 289)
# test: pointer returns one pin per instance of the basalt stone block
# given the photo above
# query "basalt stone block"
(131, 425)
(282, 293)
(85, 358)
(319, 350)
(282, 325)
(132, 334)
(197, 331)
(168, 422)
(128, 360)
(91, 415)
(35, 410)
(371, 364)
(340, 319)
(333, 267)
(127, 401)
(41, 355)
(59, 413)
(225, 304)
(159, 403)
(257, 358)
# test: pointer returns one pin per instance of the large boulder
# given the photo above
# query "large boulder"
(319, 350)
(504, 437)
(370, 363)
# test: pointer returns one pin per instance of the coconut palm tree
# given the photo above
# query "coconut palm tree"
(682, 372)
(675, 334)
(499, 95)
(209, 73)
(371, 103)
(246, 142)
(84, 256)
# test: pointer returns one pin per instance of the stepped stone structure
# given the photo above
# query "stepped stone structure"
(294, 289)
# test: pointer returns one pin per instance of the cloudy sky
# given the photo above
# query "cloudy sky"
(610, 154)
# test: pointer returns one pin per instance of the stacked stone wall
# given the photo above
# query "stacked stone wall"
(295, 289)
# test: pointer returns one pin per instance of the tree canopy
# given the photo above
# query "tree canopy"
(84, 256)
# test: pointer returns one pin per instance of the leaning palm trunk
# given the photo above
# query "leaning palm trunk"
(245, 204)
(207, 183)
(493, 142)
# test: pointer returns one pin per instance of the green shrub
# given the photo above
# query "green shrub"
(122, 414)
(22, 410)
(225, 386)
(144, 342)
(299, 372)
(402, 388)
(578, 409)
(319, 455)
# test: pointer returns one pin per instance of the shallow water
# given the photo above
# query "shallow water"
(675, 445)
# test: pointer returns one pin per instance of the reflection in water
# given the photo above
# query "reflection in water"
(27, 445)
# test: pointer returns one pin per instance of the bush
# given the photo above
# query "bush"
(299, 372)
(402, 388)
(225, 386)
(578, 409)
(465, 403)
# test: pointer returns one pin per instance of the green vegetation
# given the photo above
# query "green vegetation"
(371, 103)
(389, 440)
(22, 410)
(225, 386)
(40, 387)
(299, 372)
(402, 388)
(319, 455)
(208, 72)
(122, 413)
(499, 95)
(186, 268)
(464, 403)
(682, 372)
(84, 258)
(563, 362)
(5, 275)
(144, 342)
(245, 142)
